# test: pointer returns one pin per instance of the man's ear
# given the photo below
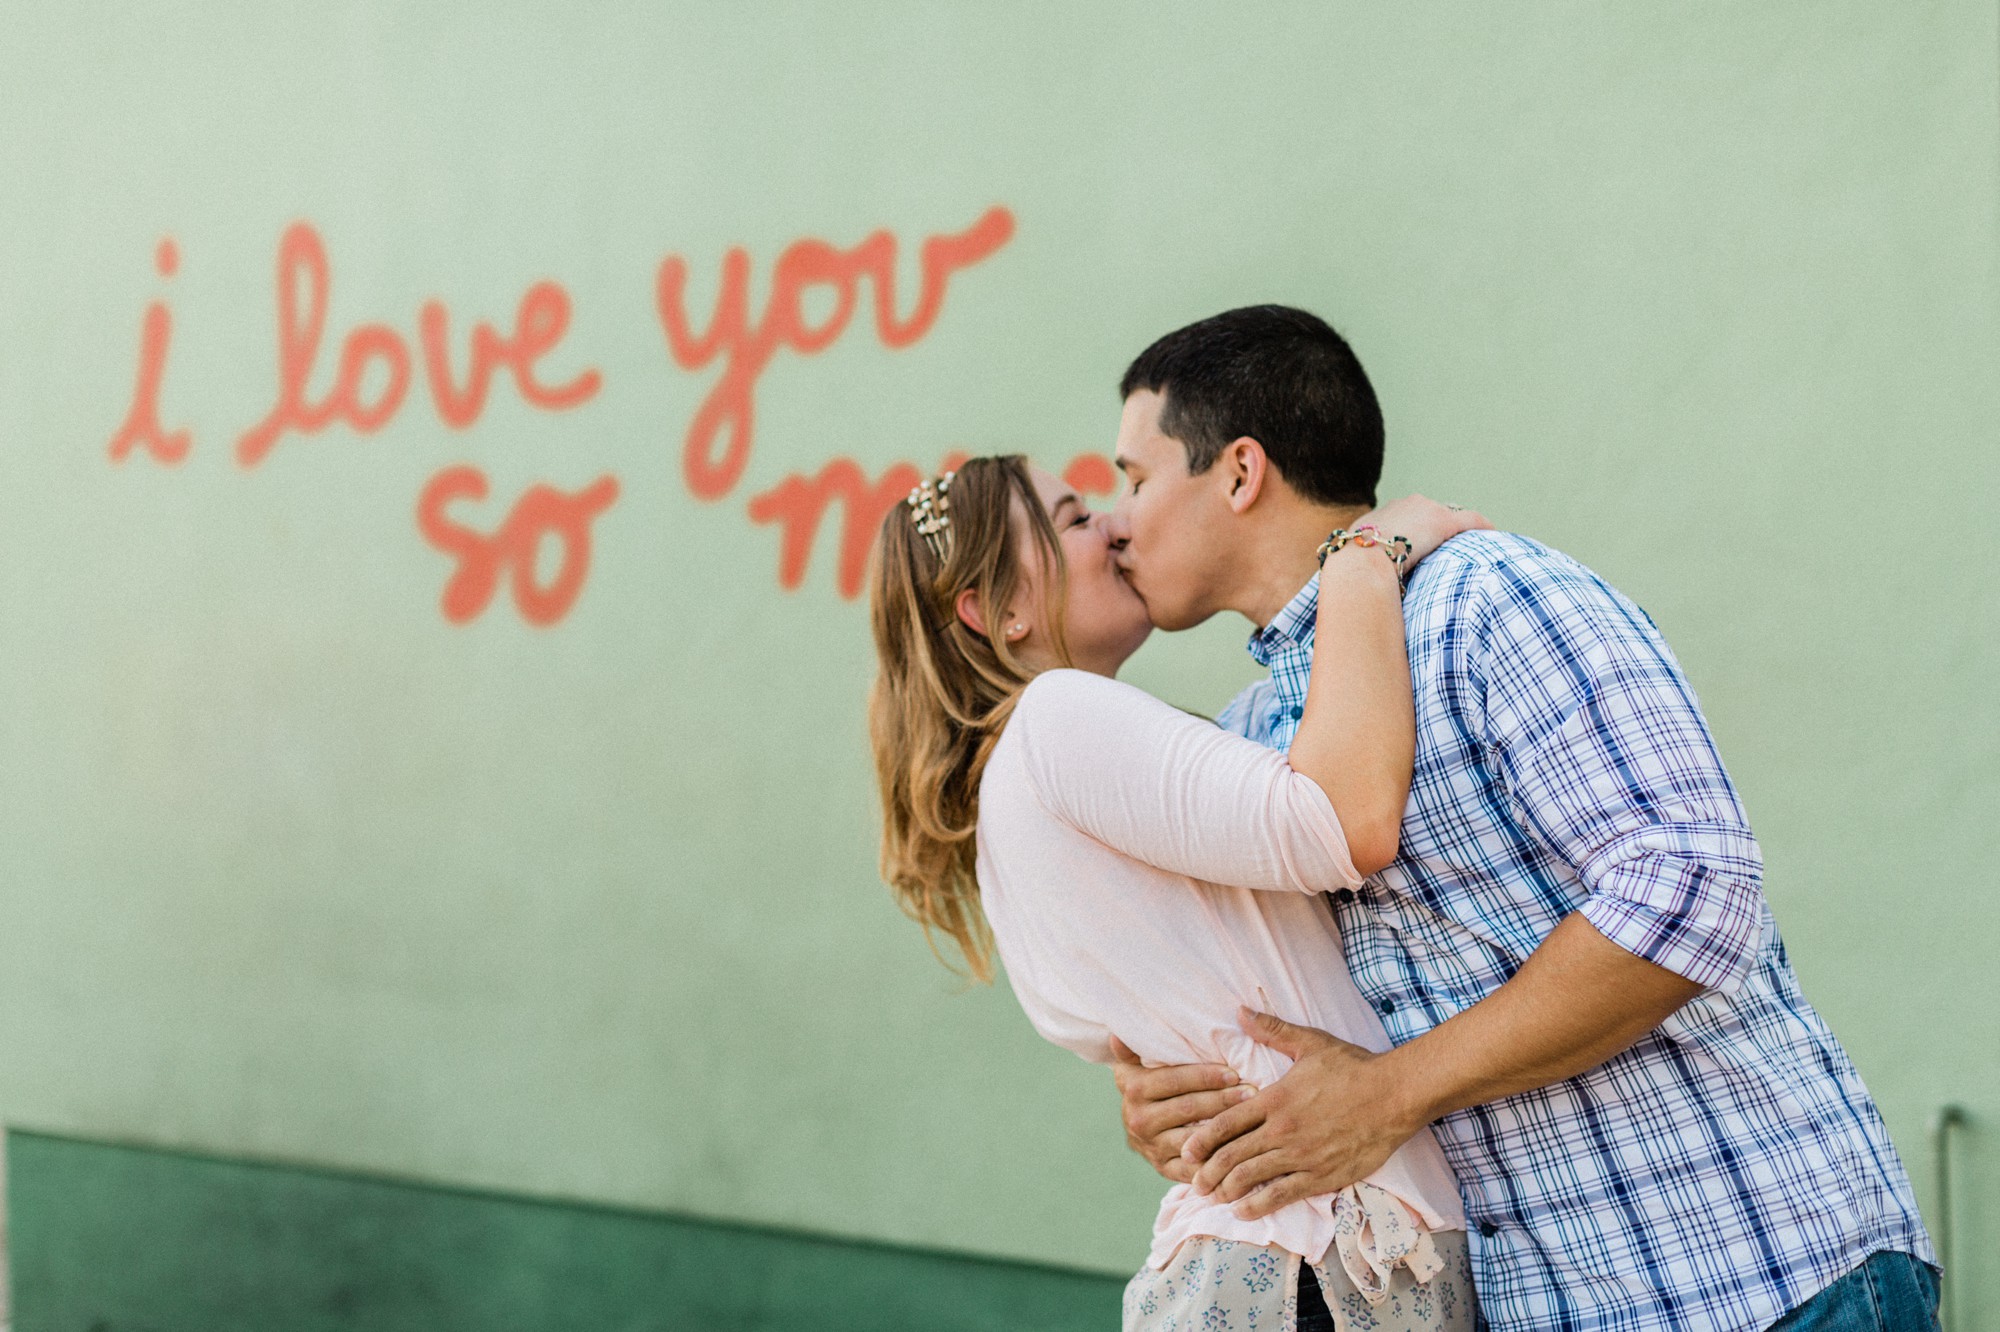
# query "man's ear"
(1244, 469)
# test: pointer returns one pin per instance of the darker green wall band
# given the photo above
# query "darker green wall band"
(126, 1239)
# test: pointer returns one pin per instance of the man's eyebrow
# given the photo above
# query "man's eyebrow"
(1121, 463)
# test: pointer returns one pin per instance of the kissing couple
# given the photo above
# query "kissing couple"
(1436, 973)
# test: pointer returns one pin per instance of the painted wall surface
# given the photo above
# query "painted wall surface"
(115, 1238)
(458, 791)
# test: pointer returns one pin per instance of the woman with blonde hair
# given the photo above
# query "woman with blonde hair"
(1144, 874)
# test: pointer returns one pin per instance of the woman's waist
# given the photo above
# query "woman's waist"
(1416, 1174)
(1160, 1042)
(1307, 1227)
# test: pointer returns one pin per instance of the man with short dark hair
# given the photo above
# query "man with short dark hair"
(1572, 953)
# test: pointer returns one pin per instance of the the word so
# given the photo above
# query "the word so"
(512, 548)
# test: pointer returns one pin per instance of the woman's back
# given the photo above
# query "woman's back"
(1145, 873)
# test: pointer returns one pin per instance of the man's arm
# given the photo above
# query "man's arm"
(1597, 739)
(1336, 1116)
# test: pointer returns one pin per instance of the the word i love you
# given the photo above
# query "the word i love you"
(374, 369)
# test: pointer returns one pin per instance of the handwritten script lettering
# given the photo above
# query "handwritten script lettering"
(798, 503)
(539, 325)
(814, 295)
(746, 349)
(142, 421)
(513, 547)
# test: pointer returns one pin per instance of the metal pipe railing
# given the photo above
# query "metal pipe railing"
(1949, 1118)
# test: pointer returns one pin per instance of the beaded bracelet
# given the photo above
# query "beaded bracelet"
(1397, 548)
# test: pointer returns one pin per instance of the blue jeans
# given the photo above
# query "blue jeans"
(1891, 1292)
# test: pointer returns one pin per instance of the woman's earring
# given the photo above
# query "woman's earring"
(1015, 631)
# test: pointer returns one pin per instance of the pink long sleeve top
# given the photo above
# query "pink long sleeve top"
(1145, 872)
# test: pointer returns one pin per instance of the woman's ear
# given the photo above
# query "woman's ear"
(967, 607)
(1244, 467)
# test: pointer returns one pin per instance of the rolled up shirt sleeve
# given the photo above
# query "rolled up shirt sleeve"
(1610, 765)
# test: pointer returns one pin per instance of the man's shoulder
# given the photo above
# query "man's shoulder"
(1480, 552)
(1244, 715)
(1496, 603)
(1474, 571)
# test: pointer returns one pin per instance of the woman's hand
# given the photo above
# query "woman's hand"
(1425, 522)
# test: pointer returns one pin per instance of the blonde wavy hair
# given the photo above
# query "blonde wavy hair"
(943, 693)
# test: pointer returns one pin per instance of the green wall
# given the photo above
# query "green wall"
(118, 1238)
(300, 869)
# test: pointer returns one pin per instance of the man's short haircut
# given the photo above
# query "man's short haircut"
(1281, 376)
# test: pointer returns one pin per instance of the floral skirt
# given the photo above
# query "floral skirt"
(1219, 1285)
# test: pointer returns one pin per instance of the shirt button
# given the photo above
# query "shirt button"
(1297, 712)
(1388, 1005)
(1344, 896)
(1488, 1229)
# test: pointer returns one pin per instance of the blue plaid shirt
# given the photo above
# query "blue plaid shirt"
(1728, 1166)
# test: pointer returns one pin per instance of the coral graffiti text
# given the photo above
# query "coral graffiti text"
(374, 371)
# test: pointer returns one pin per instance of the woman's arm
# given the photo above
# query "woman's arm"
(1358, 737)
(1182, 794)
(1170, 789)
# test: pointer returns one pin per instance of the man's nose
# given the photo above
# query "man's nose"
(1116, 529)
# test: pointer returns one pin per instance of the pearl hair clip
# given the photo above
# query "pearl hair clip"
(930, 510)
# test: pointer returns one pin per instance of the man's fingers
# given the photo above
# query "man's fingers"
(1160, 1084)
(1172, 1165)
(1230, 1124)
(1260, 1167)
(1268, 1198)
(1156, 1118)
(1228, 1159)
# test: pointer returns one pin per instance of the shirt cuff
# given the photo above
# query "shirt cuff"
(1709, 930)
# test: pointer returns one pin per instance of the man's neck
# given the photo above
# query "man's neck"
(1283, 556)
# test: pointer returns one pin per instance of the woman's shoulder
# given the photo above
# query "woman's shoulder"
(1069, 695)
(1062, 708)
(1063, 711)
(1058, 713)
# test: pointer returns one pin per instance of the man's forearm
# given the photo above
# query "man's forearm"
(1578, 1000)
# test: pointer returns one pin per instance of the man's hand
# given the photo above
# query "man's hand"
(1339, 1111)
(1333, 1118)
(1163, 1105)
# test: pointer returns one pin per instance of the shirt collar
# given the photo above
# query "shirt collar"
(1291, 627)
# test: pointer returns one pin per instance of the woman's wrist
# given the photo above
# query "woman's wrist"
(1368, 537)
(1374, 563)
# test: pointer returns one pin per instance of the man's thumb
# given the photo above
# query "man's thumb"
(1280, 1035)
